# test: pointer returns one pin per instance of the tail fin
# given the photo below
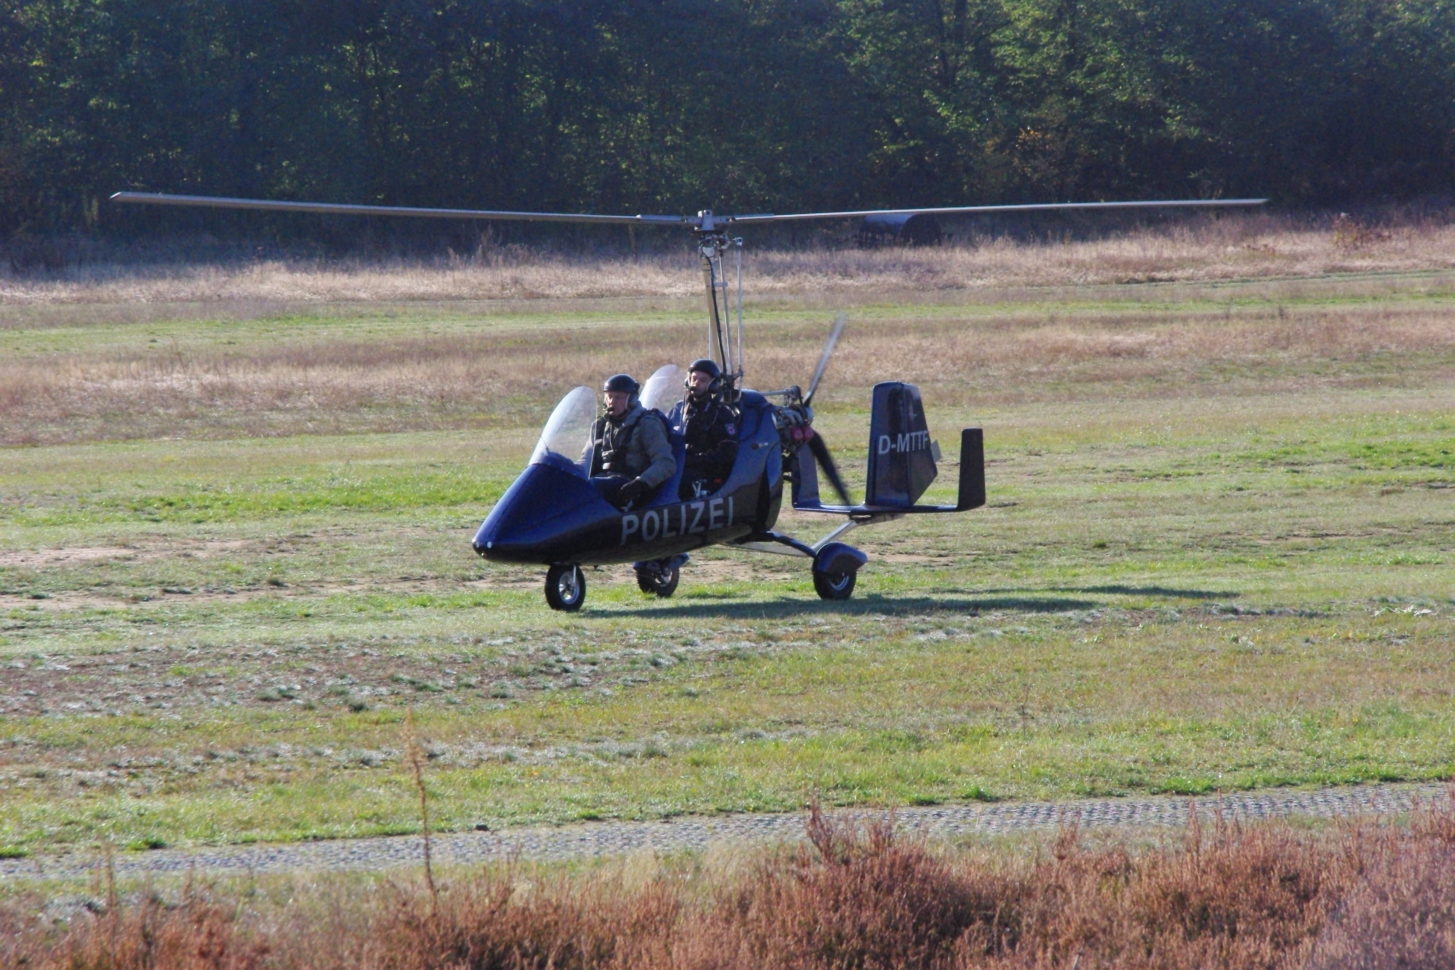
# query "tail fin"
(902, 458)
(902, 455)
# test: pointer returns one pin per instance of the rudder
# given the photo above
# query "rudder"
(902, 455)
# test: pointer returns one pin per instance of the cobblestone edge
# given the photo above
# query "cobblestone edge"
(697, 833)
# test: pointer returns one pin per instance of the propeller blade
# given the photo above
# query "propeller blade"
(823, 359)
(820, 450)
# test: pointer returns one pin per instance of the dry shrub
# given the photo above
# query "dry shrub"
(1245, 898)
(1401, 915)
(493, 924)
(150, 934)
(859, 898)
(1400, 912)
(496, 920)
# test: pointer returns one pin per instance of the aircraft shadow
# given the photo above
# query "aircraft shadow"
(700, 608)
(707, 605)
(1121, 590)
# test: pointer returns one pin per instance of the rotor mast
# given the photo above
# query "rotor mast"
(723, 345)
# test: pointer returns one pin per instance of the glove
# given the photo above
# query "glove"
(632, 491)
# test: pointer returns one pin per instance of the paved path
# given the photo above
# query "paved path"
(696, 833)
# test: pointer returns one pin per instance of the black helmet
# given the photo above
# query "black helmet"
(622, 382)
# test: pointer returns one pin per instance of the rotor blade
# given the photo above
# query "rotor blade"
(704, 221)
(1019, 207)
(823, 358)
(335, 208)
(820, 450)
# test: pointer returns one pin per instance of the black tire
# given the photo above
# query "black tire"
(834, 586)
(565, 587)
(662, 582)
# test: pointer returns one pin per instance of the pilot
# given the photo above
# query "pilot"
(708, 426)
(630, 453)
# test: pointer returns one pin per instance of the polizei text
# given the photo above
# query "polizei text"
(689, 518)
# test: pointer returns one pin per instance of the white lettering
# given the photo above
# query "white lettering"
(690, 518)
(904, 442)
(651, 525)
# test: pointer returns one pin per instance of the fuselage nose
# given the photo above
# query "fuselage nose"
(540, 516)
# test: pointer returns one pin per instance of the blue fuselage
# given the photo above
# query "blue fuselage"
(553, 513)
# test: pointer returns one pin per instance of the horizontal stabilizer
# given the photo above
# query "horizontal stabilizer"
(971, 488)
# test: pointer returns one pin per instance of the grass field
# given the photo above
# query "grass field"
(236, 504)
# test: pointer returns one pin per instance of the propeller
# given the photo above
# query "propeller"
(826, 462)
(796, 417)
(823, 358)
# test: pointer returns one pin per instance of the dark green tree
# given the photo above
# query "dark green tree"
(936, 98)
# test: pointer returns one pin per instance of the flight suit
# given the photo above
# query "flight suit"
(632, 448)
(709, 431)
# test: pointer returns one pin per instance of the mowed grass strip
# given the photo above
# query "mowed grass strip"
(915, 709)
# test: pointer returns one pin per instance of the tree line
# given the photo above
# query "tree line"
(762, 105)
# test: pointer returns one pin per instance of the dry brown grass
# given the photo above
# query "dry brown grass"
(485, 342)
(1369, 896)
(1232, 246)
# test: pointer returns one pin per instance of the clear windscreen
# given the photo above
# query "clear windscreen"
(568, 430)
(664, 388)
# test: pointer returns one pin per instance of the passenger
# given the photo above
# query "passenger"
(630, 453)
(708, 426)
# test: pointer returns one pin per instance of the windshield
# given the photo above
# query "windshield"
(568, 431)
(664, 388)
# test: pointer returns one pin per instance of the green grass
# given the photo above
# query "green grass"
(1199, 575)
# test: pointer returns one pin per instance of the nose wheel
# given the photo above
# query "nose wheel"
(565, 587)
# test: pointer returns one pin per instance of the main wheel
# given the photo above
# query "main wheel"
(565, 587)
(834, 586)
(659, 579)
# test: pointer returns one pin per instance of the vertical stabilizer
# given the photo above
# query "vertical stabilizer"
(901, 454)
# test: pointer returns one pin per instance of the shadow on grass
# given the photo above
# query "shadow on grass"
(1190, 594)
(1120, 590)
(875, 605)
(706, 604)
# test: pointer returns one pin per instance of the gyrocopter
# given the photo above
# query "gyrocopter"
(555, 516)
